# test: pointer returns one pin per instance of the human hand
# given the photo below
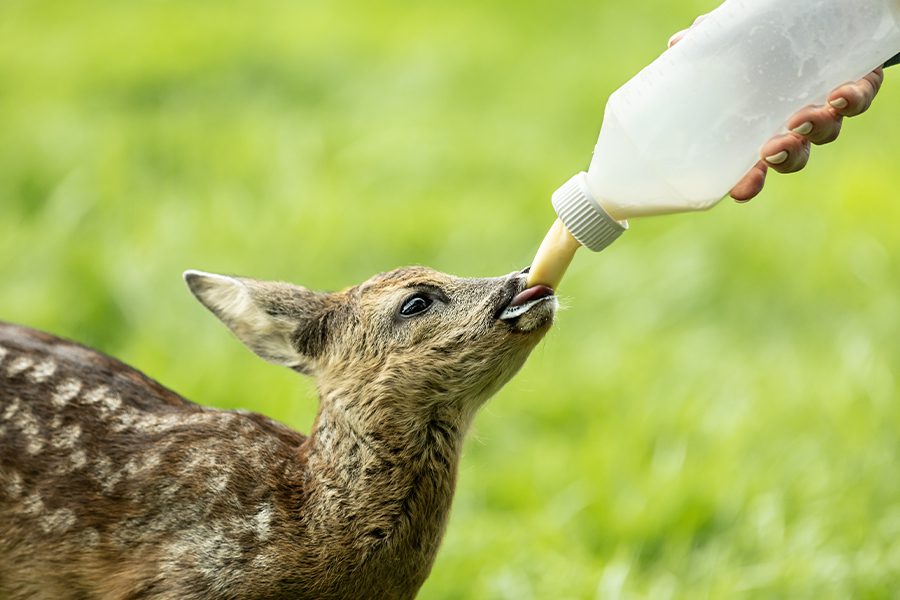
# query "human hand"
(818, 125)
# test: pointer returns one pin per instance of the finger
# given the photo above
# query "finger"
(856, 98)
(680, 35)
(676, 38)
(875, 79)
(786, 154)
(752, 183)
(819, 124)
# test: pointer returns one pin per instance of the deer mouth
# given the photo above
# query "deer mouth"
(526, 300)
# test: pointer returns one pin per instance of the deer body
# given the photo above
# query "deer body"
(114, 487)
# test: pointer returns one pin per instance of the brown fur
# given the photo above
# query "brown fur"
(113, 487)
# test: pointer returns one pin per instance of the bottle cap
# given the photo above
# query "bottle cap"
(583, 216)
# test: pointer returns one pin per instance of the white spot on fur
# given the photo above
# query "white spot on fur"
(65, 391)
(3, 353)
(124, 420)
(23, 363)
(140, 464)
(201, 463)
(112, 402)
(78, 459)
(159, 423)
(43, 371)
(96, 395)
(14, 485)
(130, 468)
(150, 461)
(264, 561)
(103, 472)
(102, 467)
(152, 423)
(169, 491)
(262, 522)
(11, 409)
(25, 422)
(103, 400)
(219, 481)
(34, 446)
(67, 437)
(33, 505)
(59, 521)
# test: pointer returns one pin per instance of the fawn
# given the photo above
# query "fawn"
(114, 487)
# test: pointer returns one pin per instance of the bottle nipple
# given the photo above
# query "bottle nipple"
(553, 257)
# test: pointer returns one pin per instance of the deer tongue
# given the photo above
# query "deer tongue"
(524, 300)
(528, 294)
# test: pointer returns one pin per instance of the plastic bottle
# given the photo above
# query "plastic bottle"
(680, 134)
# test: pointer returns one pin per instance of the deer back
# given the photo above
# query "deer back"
(113, 486)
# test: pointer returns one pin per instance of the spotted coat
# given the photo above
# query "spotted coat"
(114, 487)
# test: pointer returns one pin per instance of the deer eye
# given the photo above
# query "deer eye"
(415, 304)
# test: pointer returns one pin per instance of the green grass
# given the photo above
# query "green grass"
(715, 414)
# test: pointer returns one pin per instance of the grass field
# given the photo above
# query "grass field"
(716, 413)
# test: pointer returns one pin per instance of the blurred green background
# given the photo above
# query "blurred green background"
(715, 414)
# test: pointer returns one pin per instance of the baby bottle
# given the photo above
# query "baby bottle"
(680, 134)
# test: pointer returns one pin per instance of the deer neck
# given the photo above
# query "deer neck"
(385, 481)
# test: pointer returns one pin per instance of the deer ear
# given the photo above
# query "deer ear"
(270, 318)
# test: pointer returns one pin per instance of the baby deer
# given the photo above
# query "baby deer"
(114, 487)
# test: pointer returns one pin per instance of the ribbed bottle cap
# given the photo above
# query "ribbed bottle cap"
(584, 217)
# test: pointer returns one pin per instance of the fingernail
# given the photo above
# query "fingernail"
(744, 201)
(804, 129)
(777, 159)
(839, 103)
